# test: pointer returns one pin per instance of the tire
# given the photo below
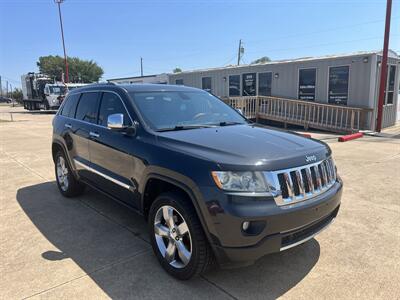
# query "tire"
(67, 184)
(162, 234)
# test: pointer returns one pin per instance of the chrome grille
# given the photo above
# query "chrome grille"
(301, 183)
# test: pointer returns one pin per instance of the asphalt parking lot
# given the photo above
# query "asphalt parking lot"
(90, 247)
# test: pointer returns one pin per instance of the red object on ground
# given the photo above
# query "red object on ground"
(306, 135)
(350, 137)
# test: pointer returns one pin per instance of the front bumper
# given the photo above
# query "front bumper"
(281, 227)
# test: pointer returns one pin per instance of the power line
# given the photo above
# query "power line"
(316, 45)
(320, 31)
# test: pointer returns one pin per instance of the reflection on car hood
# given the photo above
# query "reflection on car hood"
(245, 145)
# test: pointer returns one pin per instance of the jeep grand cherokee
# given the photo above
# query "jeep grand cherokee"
(212, 185)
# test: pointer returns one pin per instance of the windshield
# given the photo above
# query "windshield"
(57, 90)
(173, 110)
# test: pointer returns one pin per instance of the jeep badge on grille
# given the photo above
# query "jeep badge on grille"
(311, 158)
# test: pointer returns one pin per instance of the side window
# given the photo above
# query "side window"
(70, 106)
(87, 107)
(206, 84)
(234, 85)
(264, 84)
(338, 85)
(307, 79)
(249, 84)
(390, 84)
(112, 104)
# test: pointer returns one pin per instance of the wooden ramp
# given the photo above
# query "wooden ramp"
(335, 118)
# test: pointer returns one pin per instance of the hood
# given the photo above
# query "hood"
(237, 146)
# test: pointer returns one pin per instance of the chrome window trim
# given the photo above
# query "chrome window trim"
(85, 166)
(97, 91)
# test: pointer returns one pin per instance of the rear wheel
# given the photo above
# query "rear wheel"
(177, 237)
(68, 185)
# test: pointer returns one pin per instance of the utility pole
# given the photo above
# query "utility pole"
(382, 86)
(62, 36)
(141, 66)
(239, 52)
(7, 88)
(1, 88)
(11, 93)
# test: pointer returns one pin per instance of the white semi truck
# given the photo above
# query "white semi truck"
(41, 92)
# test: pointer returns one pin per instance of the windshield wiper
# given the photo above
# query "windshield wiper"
(184, 127)
(224, 123)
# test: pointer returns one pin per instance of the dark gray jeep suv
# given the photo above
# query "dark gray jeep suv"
(213, 186)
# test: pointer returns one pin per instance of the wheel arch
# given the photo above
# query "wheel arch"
(180, 187)
(57, 146)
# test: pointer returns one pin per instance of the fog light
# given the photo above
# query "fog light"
(245, 226)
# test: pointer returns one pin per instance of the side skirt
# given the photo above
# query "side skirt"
(93, 186)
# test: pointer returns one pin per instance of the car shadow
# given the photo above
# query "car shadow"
(110, 244)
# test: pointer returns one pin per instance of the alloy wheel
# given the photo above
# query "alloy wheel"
(172, 236)
(62, 173)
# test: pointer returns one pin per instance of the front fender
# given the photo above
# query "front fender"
(190, 187)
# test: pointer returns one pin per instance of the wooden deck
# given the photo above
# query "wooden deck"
(328, 117)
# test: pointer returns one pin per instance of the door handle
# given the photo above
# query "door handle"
(94, 134)
(67, 125)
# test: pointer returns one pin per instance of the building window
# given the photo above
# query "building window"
(307, 79)
(338, 85)
(206, 84)
(179, 81)
(264, 84)
(249, 84)
(234, 85)
(390, 85)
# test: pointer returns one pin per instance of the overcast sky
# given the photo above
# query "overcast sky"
(186, 34)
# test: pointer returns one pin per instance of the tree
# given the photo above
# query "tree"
(261, 60)
(177, 70)
(85, 71)
(17, 95)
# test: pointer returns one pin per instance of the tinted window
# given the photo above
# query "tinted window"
(179, 82)
(206, 84)
(234, 85)
(249, 84)
(70, 106)
(307, 78)
(264, 84)
(338, 85)
(87, 107)
(390, 86)
(112, 104)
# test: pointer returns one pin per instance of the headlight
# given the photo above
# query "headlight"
(240, 181)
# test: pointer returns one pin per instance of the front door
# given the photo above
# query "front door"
(110, 152)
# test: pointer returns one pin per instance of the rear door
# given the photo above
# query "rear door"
(81, 129)
(110, 152)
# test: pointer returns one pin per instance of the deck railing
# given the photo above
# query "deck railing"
(308, 114)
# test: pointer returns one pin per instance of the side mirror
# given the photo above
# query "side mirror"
(115, 122)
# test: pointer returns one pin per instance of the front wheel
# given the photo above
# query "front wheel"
(177, 237)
